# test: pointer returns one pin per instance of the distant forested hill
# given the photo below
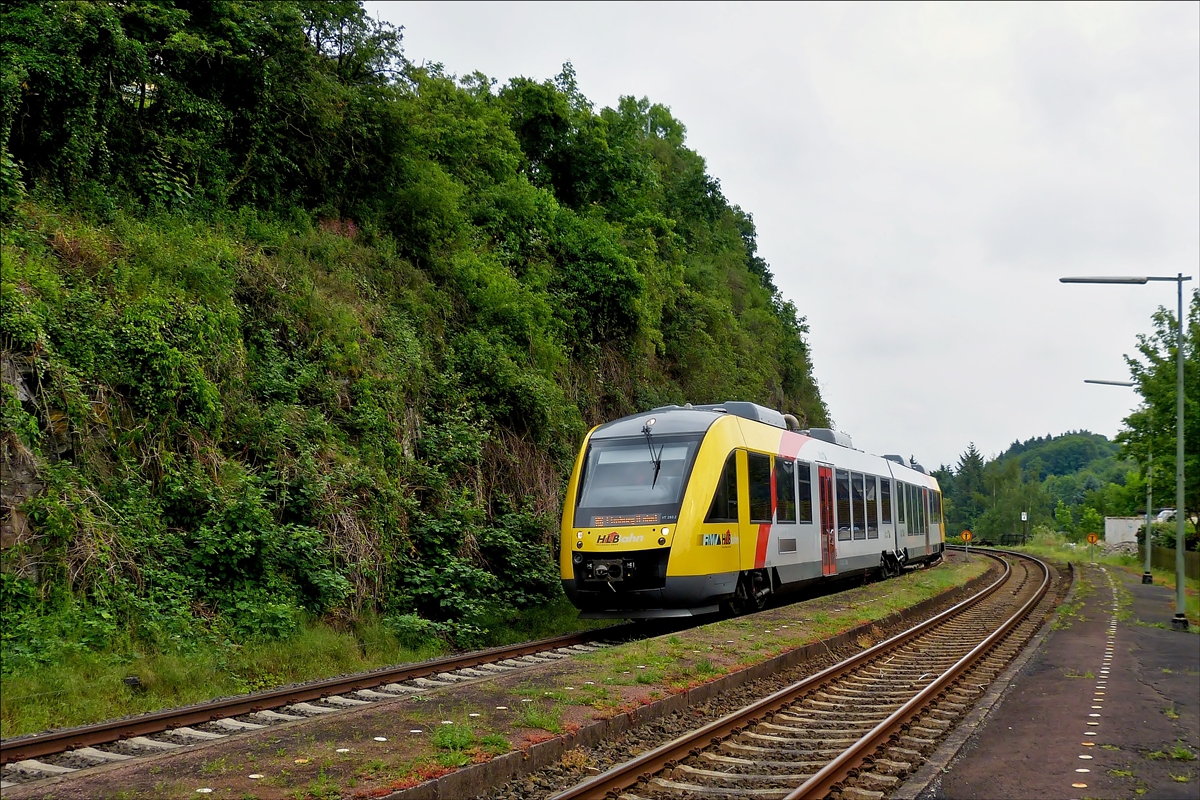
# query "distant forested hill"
(1071, 464)
(293, 326)
(1069, 482)
(1061, 455)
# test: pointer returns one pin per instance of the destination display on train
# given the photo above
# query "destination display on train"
(625, 519)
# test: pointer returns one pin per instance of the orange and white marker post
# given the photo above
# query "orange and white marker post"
(967, 536)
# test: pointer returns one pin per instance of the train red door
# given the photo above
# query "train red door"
(828, 524)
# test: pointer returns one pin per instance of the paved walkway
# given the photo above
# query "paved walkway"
(1108, 708)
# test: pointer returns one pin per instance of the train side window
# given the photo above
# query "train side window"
(760, 487)
(885, 500)
(725, 501)
(913, 515)
(872, 507)
(843, 504)
(857, 488)
(785, 490)
(924, 510)
(914, 511)
(901, 504)
(804, 503)
(935, 498)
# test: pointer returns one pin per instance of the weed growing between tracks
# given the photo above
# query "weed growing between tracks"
(612, 679)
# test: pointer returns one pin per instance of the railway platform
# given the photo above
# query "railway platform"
(1107, 707)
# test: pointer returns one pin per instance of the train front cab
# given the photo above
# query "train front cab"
(748, 523)
(669, 561)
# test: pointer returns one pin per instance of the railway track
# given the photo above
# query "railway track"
(36, 757)
(856, 729)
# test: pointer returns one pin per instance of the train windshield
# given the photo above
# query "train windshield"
(634, 482)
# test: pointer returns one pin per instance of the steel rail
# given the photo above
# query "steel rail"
(834, 772)
(57, 741)
(629, 773)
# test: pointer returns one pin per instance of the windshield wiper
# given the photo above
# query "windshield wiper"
(656, 460)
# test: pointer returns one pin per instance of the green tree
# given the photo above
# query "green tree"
(1152, 428)
(1062, 518)
(1091, 522)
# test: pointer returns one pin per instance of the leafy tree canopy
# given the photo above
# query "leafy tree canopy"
(291, 324)
(1151, 430)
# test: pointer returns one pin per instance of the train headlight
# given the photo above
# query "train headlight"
(661, 540)
(666, 531)
(579, 545)
(578, 534)
(578, 558)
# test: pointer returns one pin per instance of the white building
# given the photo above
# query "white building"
(1122, 529)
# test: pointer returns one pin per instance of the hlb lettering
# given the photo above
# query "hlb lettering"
(617, 538)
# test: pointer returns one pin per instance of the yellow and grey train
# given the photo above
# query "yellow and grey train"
(683, 510)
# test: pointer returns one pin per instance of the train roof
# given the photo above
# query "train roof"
(688, 418)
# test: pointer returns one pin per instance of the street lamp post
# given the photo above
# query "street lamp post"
(1147, 577)
(1179, 621)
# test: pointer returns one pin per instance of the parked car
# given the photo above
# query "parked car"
(1165, 515)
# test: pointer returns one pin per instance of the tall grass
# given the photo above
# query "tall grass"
(538, 622)
(1054, 546)
(89, 685)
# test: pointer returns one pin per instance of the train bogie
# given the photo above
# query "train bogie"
(678, 511)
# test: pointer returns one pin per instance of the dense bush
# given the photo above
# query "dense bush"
(293, 327)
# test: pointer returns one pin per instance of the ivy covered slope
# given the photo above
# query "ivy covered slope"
(292, 327)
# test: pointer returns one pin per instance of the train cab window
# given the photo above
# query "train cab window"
(885, 500)
(872, 507)
(804, 503)
(760, 487)
(935, 507)
(858, 491)
(725, 501)
(843, 504)
(785, 490)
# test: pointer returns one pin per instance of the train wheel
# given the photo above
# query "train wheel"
(750, 595)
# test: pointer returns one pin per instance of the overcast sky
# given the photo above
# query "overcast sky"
(920, 175)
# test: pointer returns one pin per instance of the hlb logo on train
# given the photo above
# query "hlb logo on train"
(717, 538)
(617, 538)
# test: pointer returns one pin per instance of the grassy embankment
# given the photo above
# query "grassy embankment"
(89, 685)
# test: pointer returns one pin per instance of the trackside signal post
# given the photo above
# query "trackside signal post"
(1179, 621)
(1092, 539)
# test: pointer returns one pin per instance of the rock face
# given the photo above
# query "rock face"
(18, 474)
